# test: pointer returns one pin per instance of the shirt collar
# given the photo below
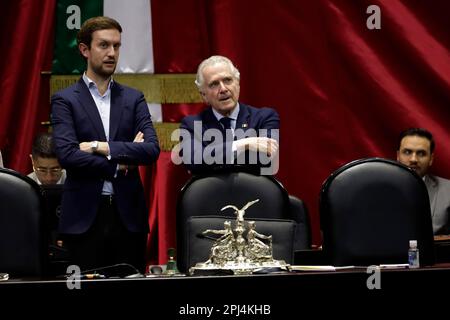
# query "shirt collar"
(233, 116)
(92, 85)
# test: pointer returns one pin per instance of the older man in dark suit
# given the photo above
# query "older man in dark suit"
(229, 132)
(102, 132)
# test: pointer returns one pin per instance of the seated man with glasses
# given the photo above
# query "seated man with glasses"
(46, 168)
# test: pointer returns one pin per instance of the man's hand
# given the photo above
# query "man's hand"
(139, 137)
(86, 147)
(258, 144)
(126, 167)
(102, 147)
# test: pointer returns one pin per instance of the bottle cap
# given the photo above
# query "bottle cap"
(413, 243)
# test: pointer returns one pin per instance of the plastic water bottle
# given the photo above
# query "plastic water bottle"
(413, 254)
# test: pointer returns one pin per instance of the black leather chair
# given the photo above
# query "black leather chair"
(370, 209)
(206, 195)
(23, 242)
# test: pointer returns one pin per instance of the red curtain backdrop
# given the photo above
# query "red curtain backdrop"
(343, 91)
(167, 180)
(26, 47)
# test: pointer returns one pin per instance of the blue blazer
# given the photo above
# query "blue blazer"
(248, 118)
(75, 119)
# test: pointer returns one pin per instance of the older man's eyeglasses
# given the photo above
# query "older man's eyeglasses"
(51, 171)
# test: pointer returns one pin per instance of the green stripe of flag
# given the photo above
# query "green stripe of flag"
(70, 15)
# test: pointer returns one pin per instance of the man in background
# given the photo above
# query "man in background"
(416, 150)
(46, 168)
(47, 172)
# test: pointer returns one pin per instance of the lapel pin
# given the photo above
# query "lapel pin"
(244, 125)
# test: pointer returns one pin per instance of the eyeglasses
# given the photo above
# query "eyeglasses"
(52, 171)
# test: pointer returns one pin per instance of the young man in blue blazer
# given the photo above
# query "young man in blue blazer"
(102, 132)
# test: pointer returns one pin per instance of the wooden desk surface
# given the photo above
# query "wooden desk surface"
(340, 294)
(439, 238)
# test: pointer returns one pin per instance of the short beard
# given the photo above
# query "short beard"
(101, 72)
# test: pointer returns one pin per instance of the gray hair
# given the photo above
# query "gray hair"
(212, 61)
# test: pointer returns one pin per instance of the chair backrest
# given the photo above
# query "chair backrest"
(370, 209)
(22, 230)
(206, 195)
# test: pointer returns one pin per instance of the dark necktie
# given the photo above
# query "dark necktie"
(226, 122)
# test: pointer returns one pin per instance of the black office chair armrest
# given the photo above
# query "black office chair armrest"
(299, 213)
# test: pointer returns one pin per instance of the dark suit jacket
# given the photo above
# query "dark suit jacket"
(439, 193)
(248, 118)
(75, 119)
